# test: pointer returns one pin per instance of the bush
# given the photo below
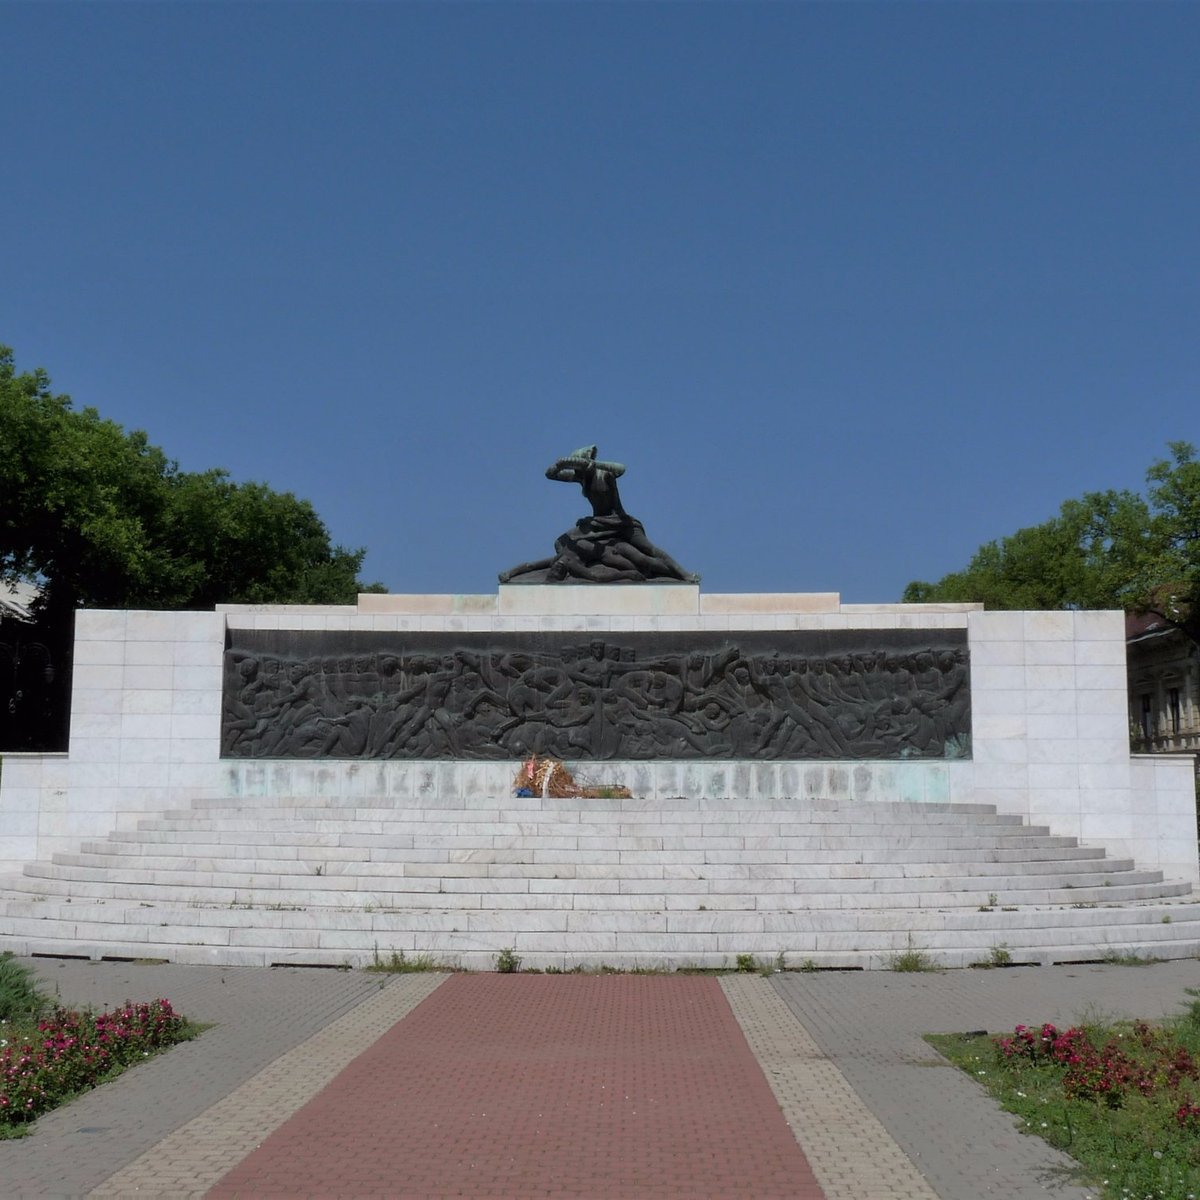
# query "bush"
(69, 1052)
(19, 996)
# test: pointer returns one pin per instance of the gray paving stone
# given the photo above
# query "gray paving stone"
(849, 1151)
(867, 1024)
(189, 1161)
(870, 1024)
(257, 1015)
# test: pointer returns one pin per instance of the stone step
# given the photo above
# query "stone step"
(748, 837)
(753, 867)
(632, 947)
(535, 896)
(268, 845)
(864, 815)
(759, 864)
(867, 809)
(822, 834)
(595, 936)
(28, 914)
(350, 859)
(634, 883)
(400, 833)
(857, 960)
(472, 892)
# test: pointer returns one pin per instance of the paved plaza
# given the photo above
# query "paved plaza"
(331, 1083)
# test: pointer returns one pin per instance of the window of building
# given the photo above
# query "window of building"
(1173, 708)
(1147, 723)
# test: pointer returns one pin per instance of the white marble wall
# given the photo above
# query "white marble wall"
(145, 733)
(30, 784)
(1050, 737)
(707, 784)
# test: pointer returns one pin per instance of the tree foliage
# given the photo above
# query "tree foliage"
(1105, 550)
(105, 519)
(100, 518)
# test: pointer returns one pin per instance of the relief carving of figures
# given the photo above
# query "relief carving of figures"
(624, 696)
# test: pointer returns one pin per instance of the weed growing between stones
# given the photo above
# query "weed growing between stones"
(1115, 958)
(508, 961)
(999, 956)
(913, 958)
(749, 964)
(398, 963)
(1122, 1098)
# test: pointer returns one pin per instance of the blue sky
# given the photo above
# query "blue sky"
(851, 288)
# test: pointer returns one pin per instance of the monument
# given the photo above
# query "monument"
(764, 773)
(610, 546)
(753, 695)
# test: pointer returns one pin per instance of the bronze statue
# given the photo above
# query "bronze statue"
(610, 546)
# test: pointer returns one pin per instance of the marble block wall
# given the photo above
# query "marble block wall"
(1051, 738)
(1049, 713)
(145, 718)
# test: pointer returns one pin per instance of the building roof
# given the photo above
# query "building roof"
(15, 599)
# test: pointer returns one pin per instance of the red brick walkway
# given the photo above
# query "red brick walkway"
(526, 1085)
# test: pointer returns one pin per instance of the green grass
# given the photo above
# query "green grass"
(19, 996)
(1116, 1112)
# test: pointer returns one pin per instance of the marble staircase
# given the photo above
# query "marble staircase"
(565, 883)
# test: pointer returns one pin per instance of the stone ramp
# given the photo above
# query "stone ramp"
(565, 883)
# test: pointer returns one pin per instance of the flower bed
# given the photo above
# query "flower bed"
(1123, 1099)
(67, 1052)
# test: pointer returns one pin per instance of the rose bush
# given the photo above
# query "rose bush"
(72, 1051)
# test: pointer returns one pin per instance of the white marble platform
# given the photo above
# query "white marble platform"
(1050, 736)
(566, 883)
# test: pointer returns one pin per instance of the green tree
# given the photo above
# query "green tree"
(244, 543)
(105, 519)
(1105, 550)
(101, 518)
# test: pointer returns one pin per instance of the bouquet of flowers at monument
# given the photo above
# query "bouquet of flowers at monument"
(548, 777)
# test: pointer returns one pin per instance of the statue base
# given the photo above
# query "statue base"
(604, 600)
